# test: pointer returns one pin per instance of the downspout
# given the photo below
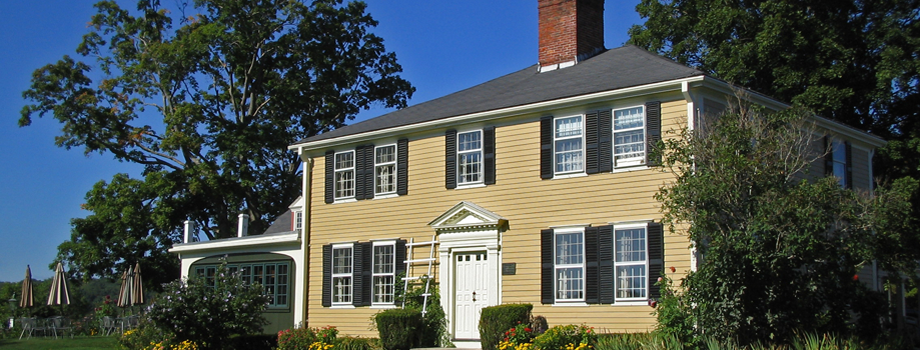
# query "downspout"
(305, 234)
(691, 125)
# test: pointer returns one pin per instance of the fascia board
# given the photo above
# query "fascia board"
(246, 242)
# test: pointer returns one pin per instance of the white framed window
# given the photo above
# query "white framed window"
(342, 274)
(384, 272)
(629, 136)
(568, 144)
(569, 264)
(839, 162)
(298, 220)
(630, 262)
(385, 169)
(469, 157)
(274, 278)
(345, 175)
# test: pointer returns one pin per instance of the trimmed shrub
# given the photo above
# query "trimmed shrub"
(399, 329)
(496, 320)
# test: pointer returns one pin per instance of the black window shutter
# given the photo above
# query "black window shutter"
(605, 141)
(605, 285)
(488, 155)
(400, 258)
(591, 154)
(653, 132)
(361, 274)
(330, 176)
(546, 147)
(450, 159)
(359, 172)
(402, 167)
(828, 157)
(591, 266)
(327, 275)
(655, 258)
(849, 165)
(369, 172)
(547, 277)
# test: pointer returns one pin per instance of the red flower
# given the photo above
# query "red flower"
(856, 277)
(506, 333)
(527, 329)
(673, 269)
(653, 303)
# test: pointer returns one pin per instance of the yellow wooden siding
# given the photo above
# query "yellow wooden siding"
(529, 203)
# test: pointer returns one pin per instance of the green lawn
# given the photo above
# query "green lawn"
(78, 343)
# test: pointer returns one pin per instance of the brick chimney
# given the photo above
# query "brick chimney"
(570, 31)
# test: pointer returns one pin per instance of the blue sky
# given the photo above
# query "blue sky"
(443, 46)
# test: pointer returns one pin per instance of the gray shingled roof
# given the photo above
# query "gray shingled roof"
(282, 224)
(618, 68)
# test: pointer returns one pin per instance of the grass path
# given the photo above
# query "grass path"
(78, 343)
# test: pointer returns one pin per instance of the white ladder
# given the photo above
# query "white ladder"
(413, 262)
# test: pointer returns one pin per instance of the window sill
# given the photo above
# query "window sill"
(625, 169)
(383, 306)
(385, 196)
(344, 200)
(566, 176)
(631, 303)
(570, 304)
(342, 307)
(473, 185)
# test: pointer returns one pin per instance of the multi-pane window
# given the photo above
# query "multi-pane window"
(385, 169)
(569, 264)
(628, 136)
(274, 278)
(469, 156)
(630, 263)
(342, 269)
(384, 272)
(568, 145)
(345, 175)
(839, 162)
(298, 220)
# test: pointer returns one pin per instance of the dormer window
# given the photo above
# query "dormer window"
(298, 221)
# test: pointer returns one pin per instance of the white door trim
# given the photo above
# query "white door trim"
(468, 228)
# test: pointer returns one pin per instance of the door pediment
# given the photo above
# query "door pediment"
(467, 215)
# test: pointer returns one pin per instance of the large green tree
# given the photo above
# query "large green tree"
(854, 61)
(780, 249)
(206, 96)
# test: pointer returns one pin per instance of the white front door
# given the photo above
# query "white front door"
(471, 292)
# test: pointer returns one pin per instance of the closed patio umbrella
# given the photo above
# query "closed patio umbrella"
(26, 300)
(59, 294)
(137, 290)
(127, 285)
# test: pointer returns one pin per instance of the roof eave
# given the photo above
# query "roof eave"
(670, 85)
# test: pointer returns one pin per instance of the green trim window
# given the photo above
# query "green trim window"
(274, 278)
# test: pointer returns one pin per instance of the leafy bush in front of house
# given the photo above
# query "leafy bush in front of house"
(434, 321)
(307, 338)
(355, 343)
(496, 320)
(209, 312)
(519, 337)
(254, 342)
(399, 329)
(566, 337)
